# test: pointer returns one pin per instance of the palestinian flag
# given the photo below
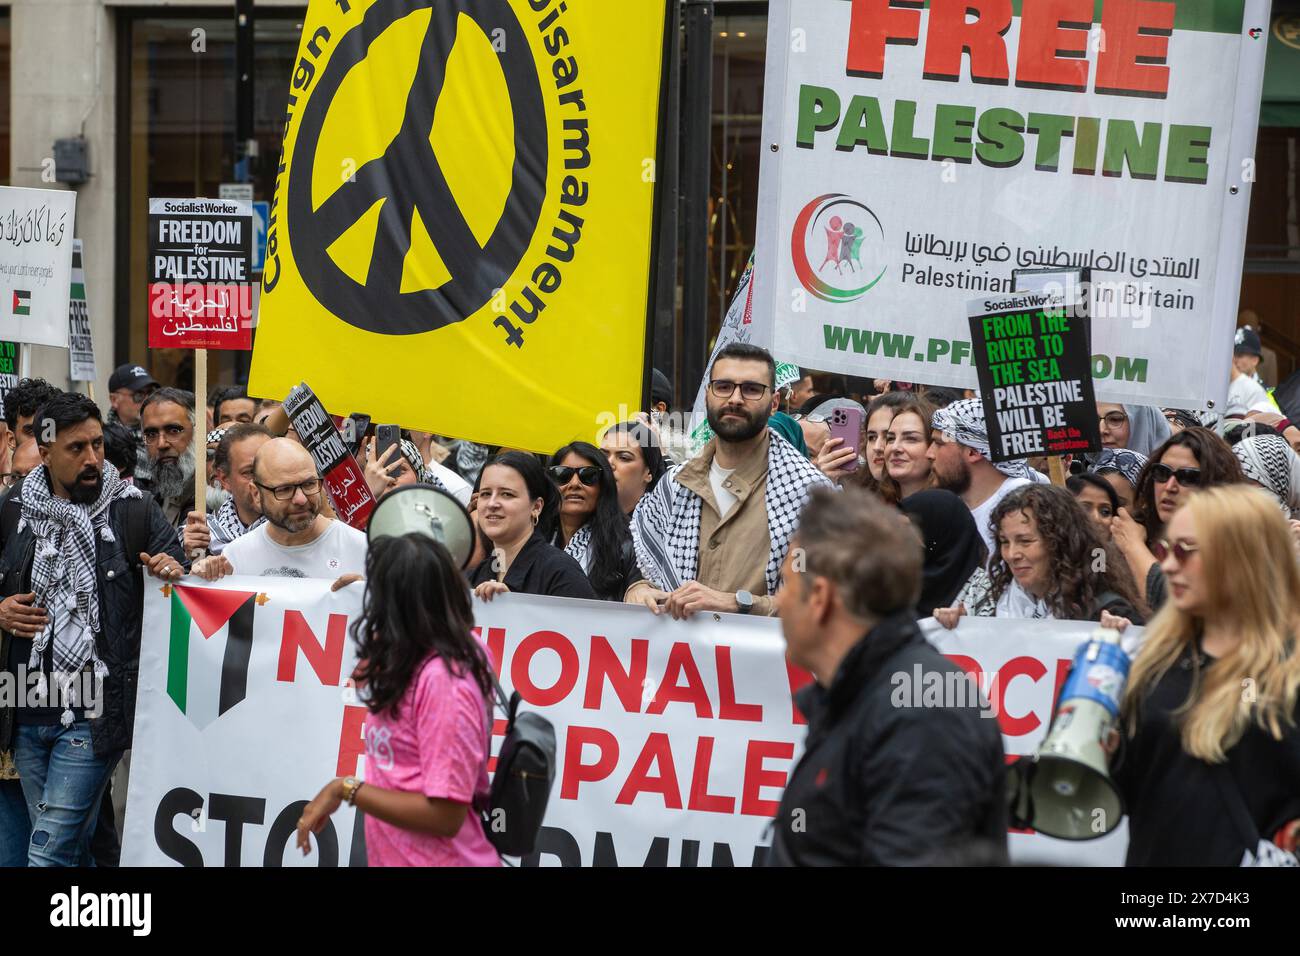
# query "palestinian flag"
(22, 302)
(209, 649)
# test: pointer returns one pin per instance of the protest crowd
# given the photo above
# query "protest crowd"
(1188, 527)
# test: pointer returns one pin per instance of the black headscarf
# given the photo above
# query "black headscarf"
(953, 547)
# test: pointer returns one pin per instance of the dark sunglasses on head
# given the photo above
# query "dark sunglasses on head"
(563, 474)
(1181, 550)
(1185, 476)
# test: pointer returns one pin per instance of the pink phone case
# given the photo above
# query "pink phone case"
(846, 423)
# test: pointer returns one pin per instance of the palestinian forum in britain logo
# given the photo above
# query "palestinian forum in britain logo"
(848, 242)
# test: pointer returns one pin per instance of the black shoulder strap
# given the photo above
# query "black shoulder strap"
(136, 519)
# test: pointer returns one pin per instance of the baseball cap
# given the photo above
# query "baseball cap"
(1247, 342)
(129, 376)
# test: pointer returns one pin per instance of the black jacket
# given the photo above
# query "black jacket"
(121, 607)
(885, 782)
(539, 568)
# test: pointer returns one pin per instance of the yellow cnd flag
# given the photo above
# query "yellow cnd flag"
(460, 240)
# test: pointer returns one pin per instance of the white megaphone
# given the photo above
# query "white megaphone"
(1065, 791)
(424, 509)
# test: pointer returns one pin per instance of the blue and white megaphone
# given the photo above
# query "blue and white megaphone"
(1065, 790)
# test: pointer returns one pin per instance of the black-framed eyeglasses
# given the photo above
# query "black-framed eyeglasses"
(563, 474)
(1181, 550)
(749, 391)
(285, 492)
(173, 431)
(1186, 476)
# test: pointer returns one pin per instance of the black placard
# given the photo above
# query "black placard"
(1033, 354)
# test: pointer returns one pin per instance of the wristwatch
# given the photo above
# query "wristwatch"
(744, 602)
(350, 787)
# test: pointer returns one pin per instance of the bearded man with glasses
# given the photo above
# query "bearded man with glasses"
(296, 540)
(713, 533)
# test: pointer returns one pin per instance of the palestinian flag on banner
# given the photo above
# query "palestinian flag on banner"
(22, 302)
(208, 651)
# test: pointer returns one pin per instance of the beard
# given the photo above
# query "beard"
(737, 431)
(85, 493)
(172, 477)
(294, 523)
(956, 481)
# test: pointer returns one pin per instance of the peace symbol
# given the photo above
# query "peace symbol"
(408, 177)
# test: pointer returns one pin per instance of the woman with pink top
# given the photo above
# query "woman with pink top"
(426, 682)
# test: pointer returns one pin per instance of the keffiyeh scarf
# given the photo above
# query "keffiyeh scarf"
(579, 547)
(1269, 461)
(63, 571)
(666, 524)
(225, 525)
(1127, 463)
(423, 474)
(963, 422)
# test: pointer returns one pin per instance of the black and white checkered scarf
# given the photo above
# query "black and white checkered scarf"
(666, 523)
(1269, 461)
(63, 570)
(579, 547)
(225, 525)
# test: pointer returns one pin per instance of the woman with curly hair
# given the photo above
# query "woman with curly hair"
(1194, 458)
(1211, 708)
(1051, 562)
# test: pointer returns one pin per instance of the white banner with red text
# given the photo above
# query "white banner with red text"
(674, 739)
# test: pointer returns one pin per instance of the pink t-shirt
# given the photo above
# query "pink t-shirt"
(438, 746)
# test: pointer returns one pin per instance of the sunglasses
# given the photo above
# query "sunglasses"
(1185, 476)
(562, 474)
(1179, 549)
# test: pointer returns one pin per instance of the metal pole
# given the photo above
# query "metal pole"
(663, 345)
(245, 144)
(697, 114)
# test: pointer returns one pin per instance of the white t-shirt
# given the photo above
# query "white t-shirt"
(460, 488)
(1243, 395)
(984, 512)
(340, 550)
(725, 499)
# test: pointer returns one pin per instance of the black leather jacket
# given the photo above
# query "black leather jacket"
(883, 782)
(121, 608)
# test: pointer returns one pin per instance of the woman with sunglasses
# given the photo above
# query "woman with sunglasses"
(592, 529)
(1210, 765)
(1194, 458)
(634, 453)
(518, 509)
(1046, 565)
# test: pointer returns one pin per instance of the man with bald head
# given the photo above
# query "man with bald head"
(296, 540)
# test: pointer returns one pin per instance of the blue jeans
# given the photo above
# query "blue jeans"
(63, 782)
(15, 827)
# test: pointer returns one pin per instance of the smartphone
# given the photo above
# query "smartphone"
(386, 436)
(846, 423)
(355, 433)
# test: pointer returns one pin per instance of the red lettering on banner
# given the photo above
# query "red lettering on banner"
(728, 709)
(522, 681)
(657, 750)
(681, 663)
(950, 35)
(873, 24)
(700, 798)
(326, 661)
(575, 771)
(1132, 62)
(629, 685)
(1030, 667)
(1055, 27)
(352, 741)
(499, 727)
(756, 777)
(798, 678)
(496, 644)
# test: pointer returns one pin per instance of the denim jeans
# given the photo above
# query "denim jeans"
(15, 827)
(63, 782)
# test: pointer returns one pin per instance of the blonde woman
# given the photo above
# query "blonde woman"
(1210, 770)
